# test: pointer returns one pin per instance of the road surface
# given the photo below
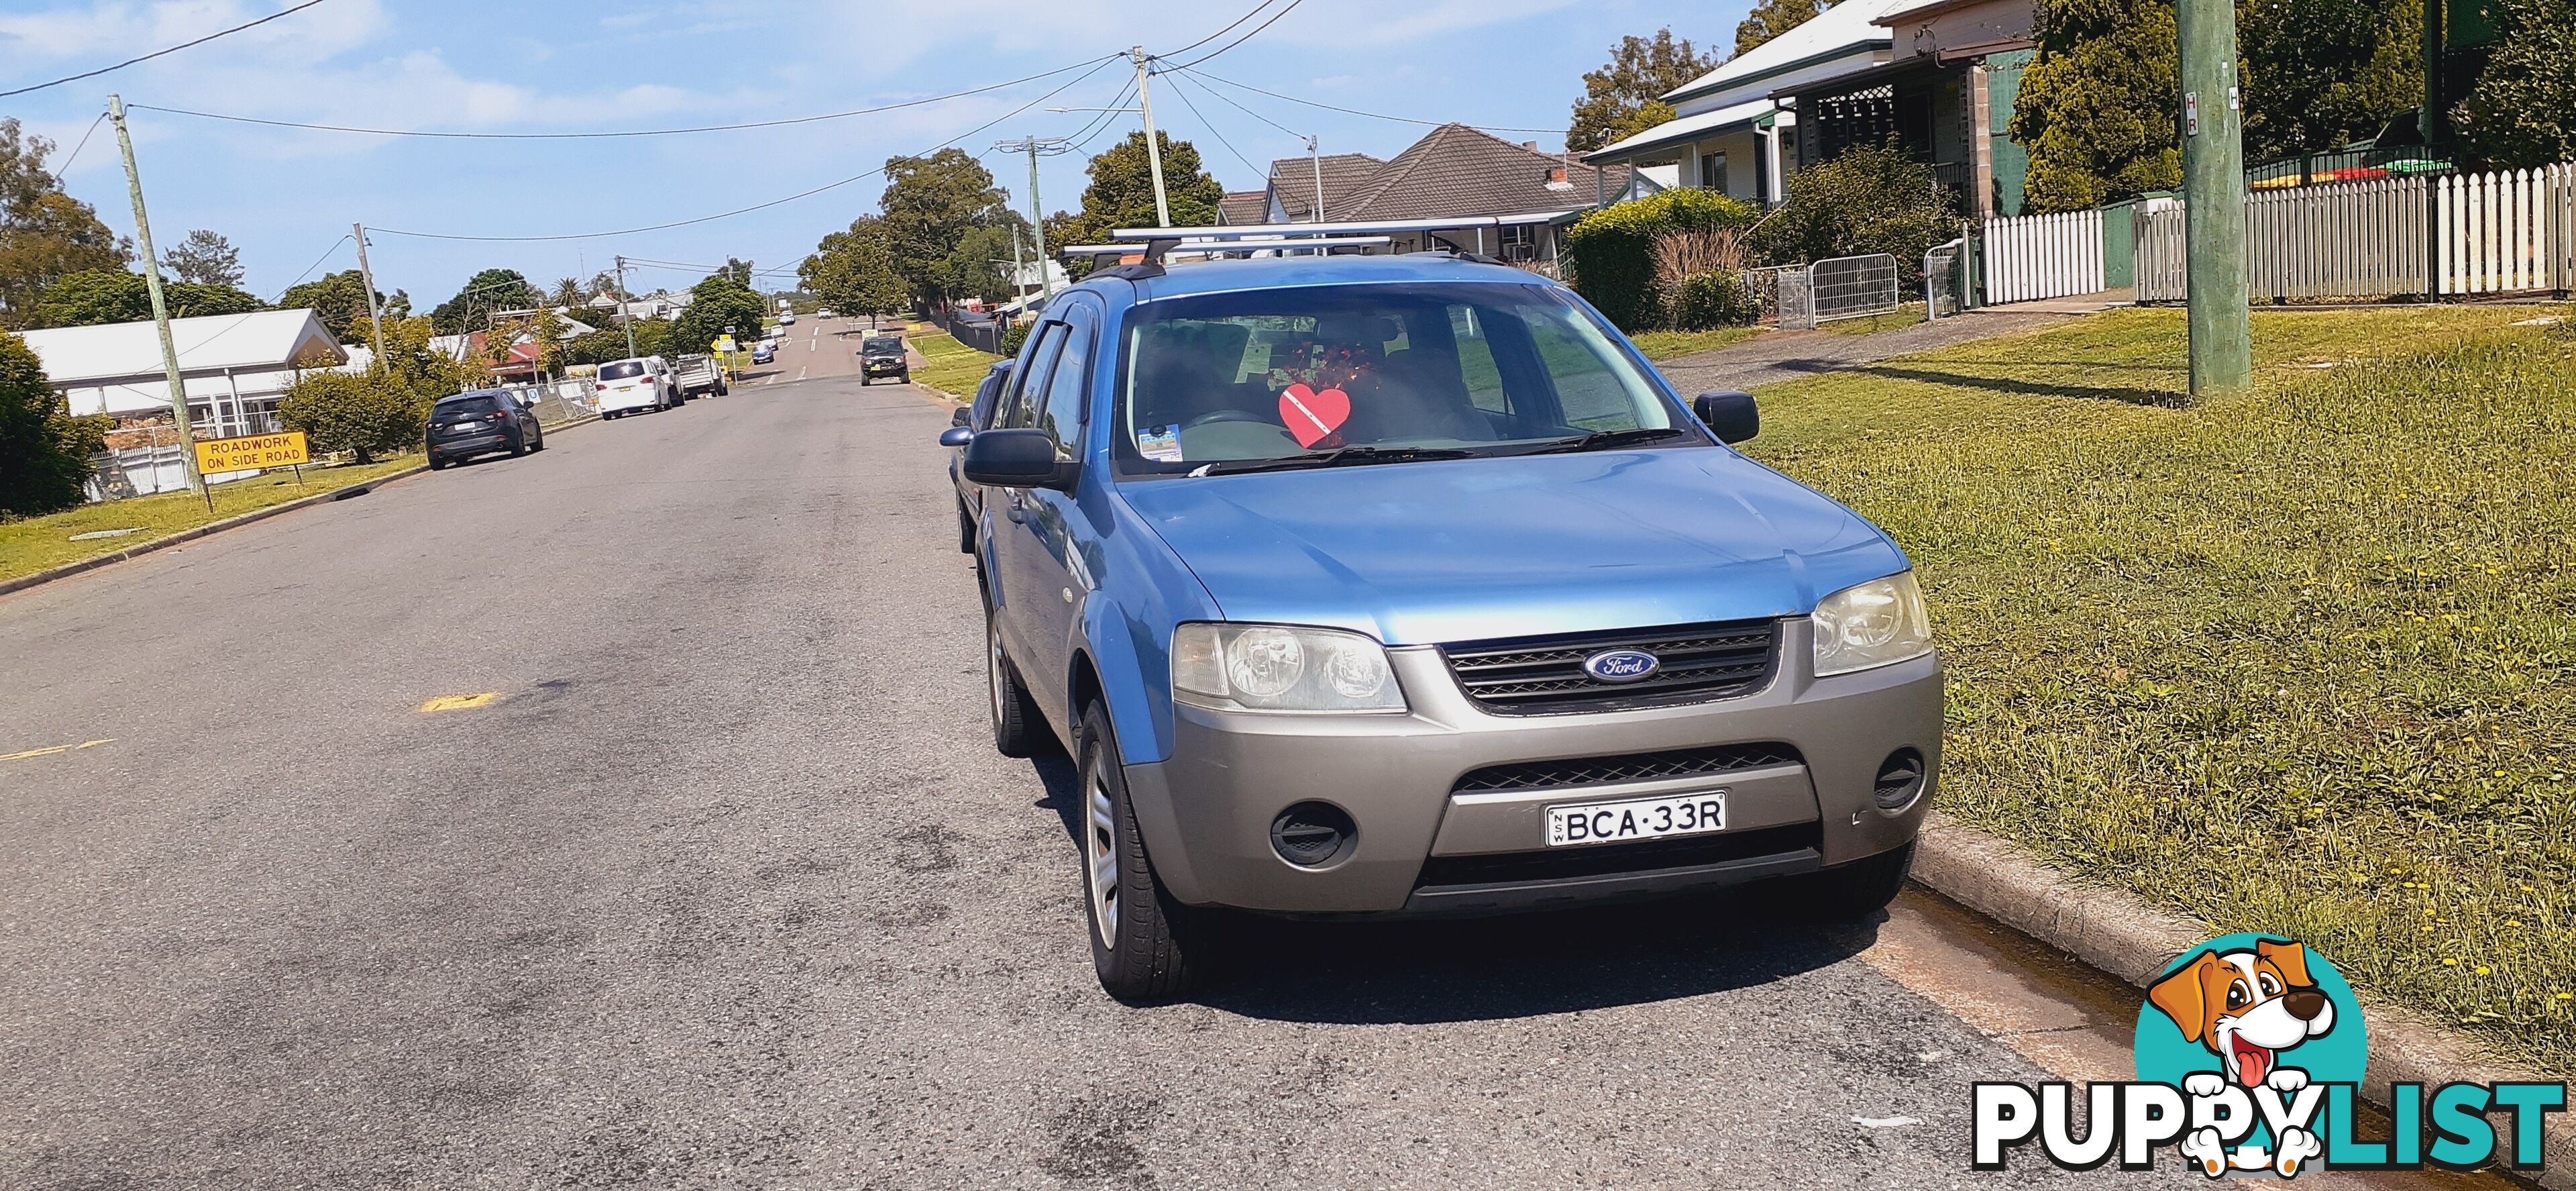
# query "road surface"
(625, 815)
(813, 349)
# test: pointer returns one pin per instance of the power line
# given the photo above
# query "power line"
(572, 136)
(317, 263)
(1357, 112)
(1211, 127)
(1096, 67)
(84, 143)
(1256, 31)
(91, 74)
(1256, 11)
(1239, 107)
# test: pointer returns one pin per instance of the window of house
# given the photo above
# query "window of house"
(1519, 241)
(1712, 171)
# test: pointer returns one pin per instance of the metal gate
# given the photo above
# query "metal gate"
(1853, 287)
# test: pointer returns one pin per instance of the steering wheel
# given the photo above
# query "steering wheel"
(1226, 415)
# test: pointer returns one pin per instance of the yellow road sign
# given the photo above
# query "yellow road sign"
(724, 345)
(216, 455)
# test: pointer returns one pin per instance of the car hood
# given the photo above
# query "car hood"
(1459, 550)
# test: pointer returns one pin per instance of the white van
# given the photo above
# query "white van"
(633, 385)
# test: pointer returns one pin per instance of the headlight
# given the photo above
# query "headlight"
(1871, 624)
(1267, 667)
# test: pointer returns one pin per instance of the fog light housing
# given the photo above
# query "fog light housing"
(1313, 835)
(1899, 781)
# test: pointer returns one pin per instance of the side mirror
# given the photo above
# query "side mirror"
(956, 436)
(1730, 415)
(962, 416)
(1017, 459)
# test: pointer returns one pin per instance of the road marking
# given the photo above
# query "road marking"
(800, 373)
(60, 748)
(460, 702)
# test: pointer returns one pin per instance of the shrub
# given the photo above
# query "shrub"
(1869, 200)
(1713, 299)
(1017, 334)
(44, 450)
(361, 412)
(1612, 250)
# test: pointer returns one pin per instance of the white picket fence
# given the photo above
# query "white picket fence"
(2030, 257)
(2508, 232)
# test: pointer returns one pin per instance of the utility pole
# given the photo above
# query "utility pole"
(1019, 274)
(160, 305)
(2213, 179)
(367, 278)
(1315, 155)
(625, 305)
(1037, 147)
(1153, 147)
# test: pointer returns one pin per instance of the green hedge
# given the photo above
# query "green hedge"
(1612, 249)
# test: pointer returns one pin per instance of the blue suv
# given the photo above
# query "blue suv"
(1364, 585)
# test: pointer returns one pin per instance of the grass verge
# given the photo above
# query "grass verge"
(1664, 345)
(949, 366)
(33, 544)
(1905, 315)
(2297, 661)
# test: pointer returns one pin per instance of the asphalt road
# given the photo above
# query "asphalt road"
(724, 887)
(812, 349)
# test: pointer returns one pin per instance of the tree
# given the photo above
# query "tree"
(340, 301)
(928, 204)
(44, 233)
(361, 412)
(490, 290)
(2521, 112)
(568, 291)
(1771, 18)
(1612, 249)
(2320, 74)
(1121, 193)
(1624, 97)
(205, 258)
(94, 296)
(1869, 200)
(2096, 107)
(44, 450)
(852, 271)
(420, 369)
(718, 305)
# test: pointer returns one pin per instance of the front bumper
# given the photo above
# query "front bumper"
(1206, 811)
(883, 367)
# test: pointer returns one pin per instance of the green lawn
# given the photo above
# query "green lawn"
(1904, 315)
(2297, 661)
(33, 544)
(1664, 345)
(947, 365)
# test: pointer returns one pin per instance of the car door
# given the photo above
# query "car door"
(1047, 562)
(1007, 509)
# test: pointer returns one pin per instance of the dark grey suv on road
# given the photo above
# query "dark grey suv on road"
(480, 422)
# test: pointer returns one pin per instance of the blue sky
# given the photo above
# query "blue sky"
(284, 196)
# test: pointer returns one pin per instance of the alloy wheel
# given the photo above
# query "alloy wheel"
(1100, 861)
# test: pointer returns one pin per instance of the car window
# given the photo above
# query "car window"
(621, 370)
(1061, 413)
(989, 394)
(1267, 374)
(1031, 376)
(465, 403)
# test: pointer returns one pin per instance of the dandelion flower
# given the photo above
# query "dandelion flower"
(2450, 963)
(2484, 970)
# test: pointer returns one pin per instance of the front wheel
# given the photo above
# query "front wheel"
(1140, 936)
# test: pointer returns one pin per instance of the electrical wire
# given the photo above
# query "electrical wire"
(1256, 11)
(633, 132)
(91, 74)
(1081, 140)
(1355, 111)
(1194, 79)
(317, 263)
(1211, 127)
(1256, 32)
(1095, 69)
(84, 143)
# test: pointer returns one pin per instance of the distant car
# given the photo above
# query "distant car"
(972, 418)
(635, 385)
(479, 423)
(764, 351)
(882, 355)
(700, 376)
(787, 318)
(825, 312)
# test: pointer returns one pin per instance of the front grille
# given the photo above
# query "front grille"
(1560, 864)
(1630, 767)
(1542, 675)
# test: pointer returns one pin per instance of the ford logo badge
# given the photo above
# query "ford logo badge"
(1622, 665)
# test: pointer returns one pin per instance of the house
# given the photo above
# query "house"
(1936, 76)
(1243, 207)
(233, 368)
(1453, 171)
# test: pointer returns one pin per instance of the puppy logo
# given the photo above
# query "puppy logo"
(2247, 1006)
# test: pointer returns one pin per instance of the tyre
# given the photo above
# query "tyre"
(965, 531)
(1018, 729)
(865, 380)
(904, 377)
(541, 439)
(1850, 892)
(1140, 937)
(518, 446)
(437, 464)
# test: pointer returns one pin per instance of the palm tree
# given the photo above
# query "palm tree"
(568, 292)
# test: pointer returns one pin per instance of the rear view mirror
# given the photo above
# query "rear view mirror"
(1730, 415)
(956, 436)
(962, 416)
(1017, 459)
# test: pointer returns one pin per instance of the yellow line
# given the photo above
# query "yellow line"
(60, 748)
(460, 702)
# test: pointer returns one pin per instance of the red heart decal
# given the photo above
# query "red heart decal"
(1311, 416)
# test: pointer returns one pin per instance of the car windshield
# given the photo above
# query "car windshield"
(465, 403)
(881, 346)
(622, 370)
(1330, 375)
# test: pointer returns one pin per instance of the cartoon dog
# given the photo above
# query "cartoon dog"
(2246, 1006)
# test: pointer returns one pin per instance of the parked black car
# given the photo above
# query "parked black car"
(882, 355)
(973, 418)
(480, 422)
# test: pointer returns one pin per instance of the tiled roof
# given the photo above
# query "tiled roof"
(1345, 174)
(1240, 207)
(1459, 170)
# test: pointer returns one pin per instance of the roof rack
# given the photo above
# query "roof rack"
(1366, 227)
(1234, 245)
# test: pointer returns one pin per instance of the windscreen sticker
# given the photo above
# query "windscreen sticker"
(1312, 417)
(1162, 444)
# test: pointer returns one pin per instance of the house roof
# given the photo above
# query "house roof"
(1687, 128)
(1292, 180)
(1846, 28)
(1241, 207)
(262, 341)
(1458, 170)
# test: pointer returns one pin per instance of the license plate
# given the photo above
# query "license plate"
(1580, 823)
